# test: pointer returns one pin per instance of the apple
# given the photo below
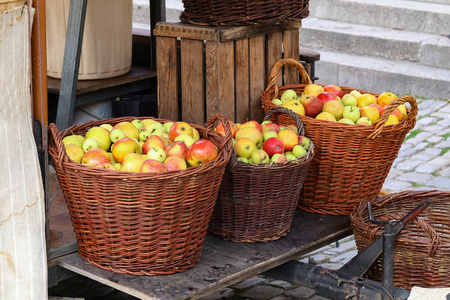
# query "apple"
(334, 107)
(166, 141)
(252, 123)
(147, 122)
(179, 128)
(298, 151)
(175, 163)
(291, 127)
(157, 154)
(130, 130)
(106, 166)
(352, 113)
(288, 95)
(74, 152)
(72, 139)
(167, 126)
(346, 121)
(278, 158)
(117, 134)
(152, 166)
(195, 134)
(386, 98)
(289, 139)
(201, 152)
(177, 148)
(156, 129)
(312, 105)
(295, 106)
(392, 120)
(303, 141)
(324, 97)
(290, 156)
(370, 112)
(89, 144)
(379, 108)
(269, 134)
(273, 145)
(185, 138)
(333, 89)
(259, 156)
(277, 101)
(113, 161)
(101, 135)
(252, 133)
(95, 156)
(400, 112)
(123, 147)
(137, 123)
(364, 121)
(366, 99)
(326, 116)
(144, 134)
(269, 126)
(132, 162)
(153, 141)
(242, 159)
(349, 100)
(221, 129)
(108, 127)
(244, 147)
(355, 93)
(313, 89)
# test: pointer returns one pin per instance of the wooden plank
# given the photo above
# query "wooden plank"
(167, 78)
(242, 76)
(224, 263)
(231, 33)
(212, 77)
(186, 31)
(291, 50)
(226, 81)
(257, 76)
(192, 82)
(274, 54)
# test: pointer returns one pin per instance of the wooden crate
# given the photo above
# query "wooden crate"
(220, 69)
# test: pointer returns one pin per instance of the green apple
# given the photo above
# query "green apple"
(186, 138)
(101, 135)
(290, 156)
(303, 141)
(268, 134)
(265, 122)
(144, 134)
(277, 101)
(72, 139)
(260, 156)
(278, 158)
(298, 151)
(118, 166)
(244, 147)
(355, 93)
(167, 126)
(364, 121)
(138, 123)
(346, 121)
(288, 95)
(113, 161)
(88, 144)
(352, 113)
(157, 154)
(117, 134)
(349, 100)
(242, 159)
(156, 129)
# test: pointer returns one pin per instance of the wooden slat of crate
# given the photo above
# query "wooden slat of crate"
(237, 61)
(291, 37)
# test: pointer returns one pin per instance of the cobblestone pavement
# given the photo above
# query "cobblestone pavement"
(423, 163)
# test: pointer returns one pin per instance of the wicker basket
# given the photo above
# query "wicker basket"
(256, 202)
(242, 12)
(422, 249)
(351, 162)
(140, 223)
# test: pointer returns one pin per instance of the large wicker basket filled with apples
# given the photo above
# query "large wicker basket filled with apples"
(352, 157)
(134, 209)
(261, 185)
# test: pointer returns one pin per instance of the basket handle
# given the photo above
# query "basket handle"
(292, 114)
(411, 116)
(272, 82)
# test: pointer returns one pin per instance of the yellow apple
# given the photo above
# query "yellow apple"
(101, 135)
(251, 133)
(335, 108)
(72, 139)
(313, 89)
(132, 162)
(123, 147)
(295, 106)
(244, 147)
(130, 130)
(95, 156)
(74, 152)
(326, 116)
(289, 139)
(392, 120)
(386, 98)
(370, 112)
(366, 99)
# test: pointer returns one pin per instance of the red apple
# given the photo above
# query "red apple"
(152, 166)
(95, 157)
(179, 128)
(123, 147)
(333, 89)
(278, 159)
(327, 96)
(175, 163)
(153, 141)
(273, 145)
(378, 107)
(201, 152)
(177, 148)
(252, 123)
(312, 105)
(270, 127)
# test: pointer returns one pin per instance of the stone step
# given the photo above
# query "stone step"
(414, 16)
(380, 75)
(422, 48)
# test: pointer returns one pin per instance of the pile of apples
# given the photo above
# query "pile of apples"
(329, 103)
(266, 142)
(141, 146)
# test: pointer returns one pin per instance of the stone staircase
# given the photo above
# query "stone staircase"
(386, 45)
(402, 46)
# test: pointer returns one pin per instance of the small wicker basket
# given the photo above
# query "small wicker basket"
(422, 248)
(242, 12)
(256, 202)
(140, 223)
(351, 162)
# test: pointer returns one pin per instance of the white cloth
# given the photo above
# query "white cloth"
(23, 260)
(418, 293)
